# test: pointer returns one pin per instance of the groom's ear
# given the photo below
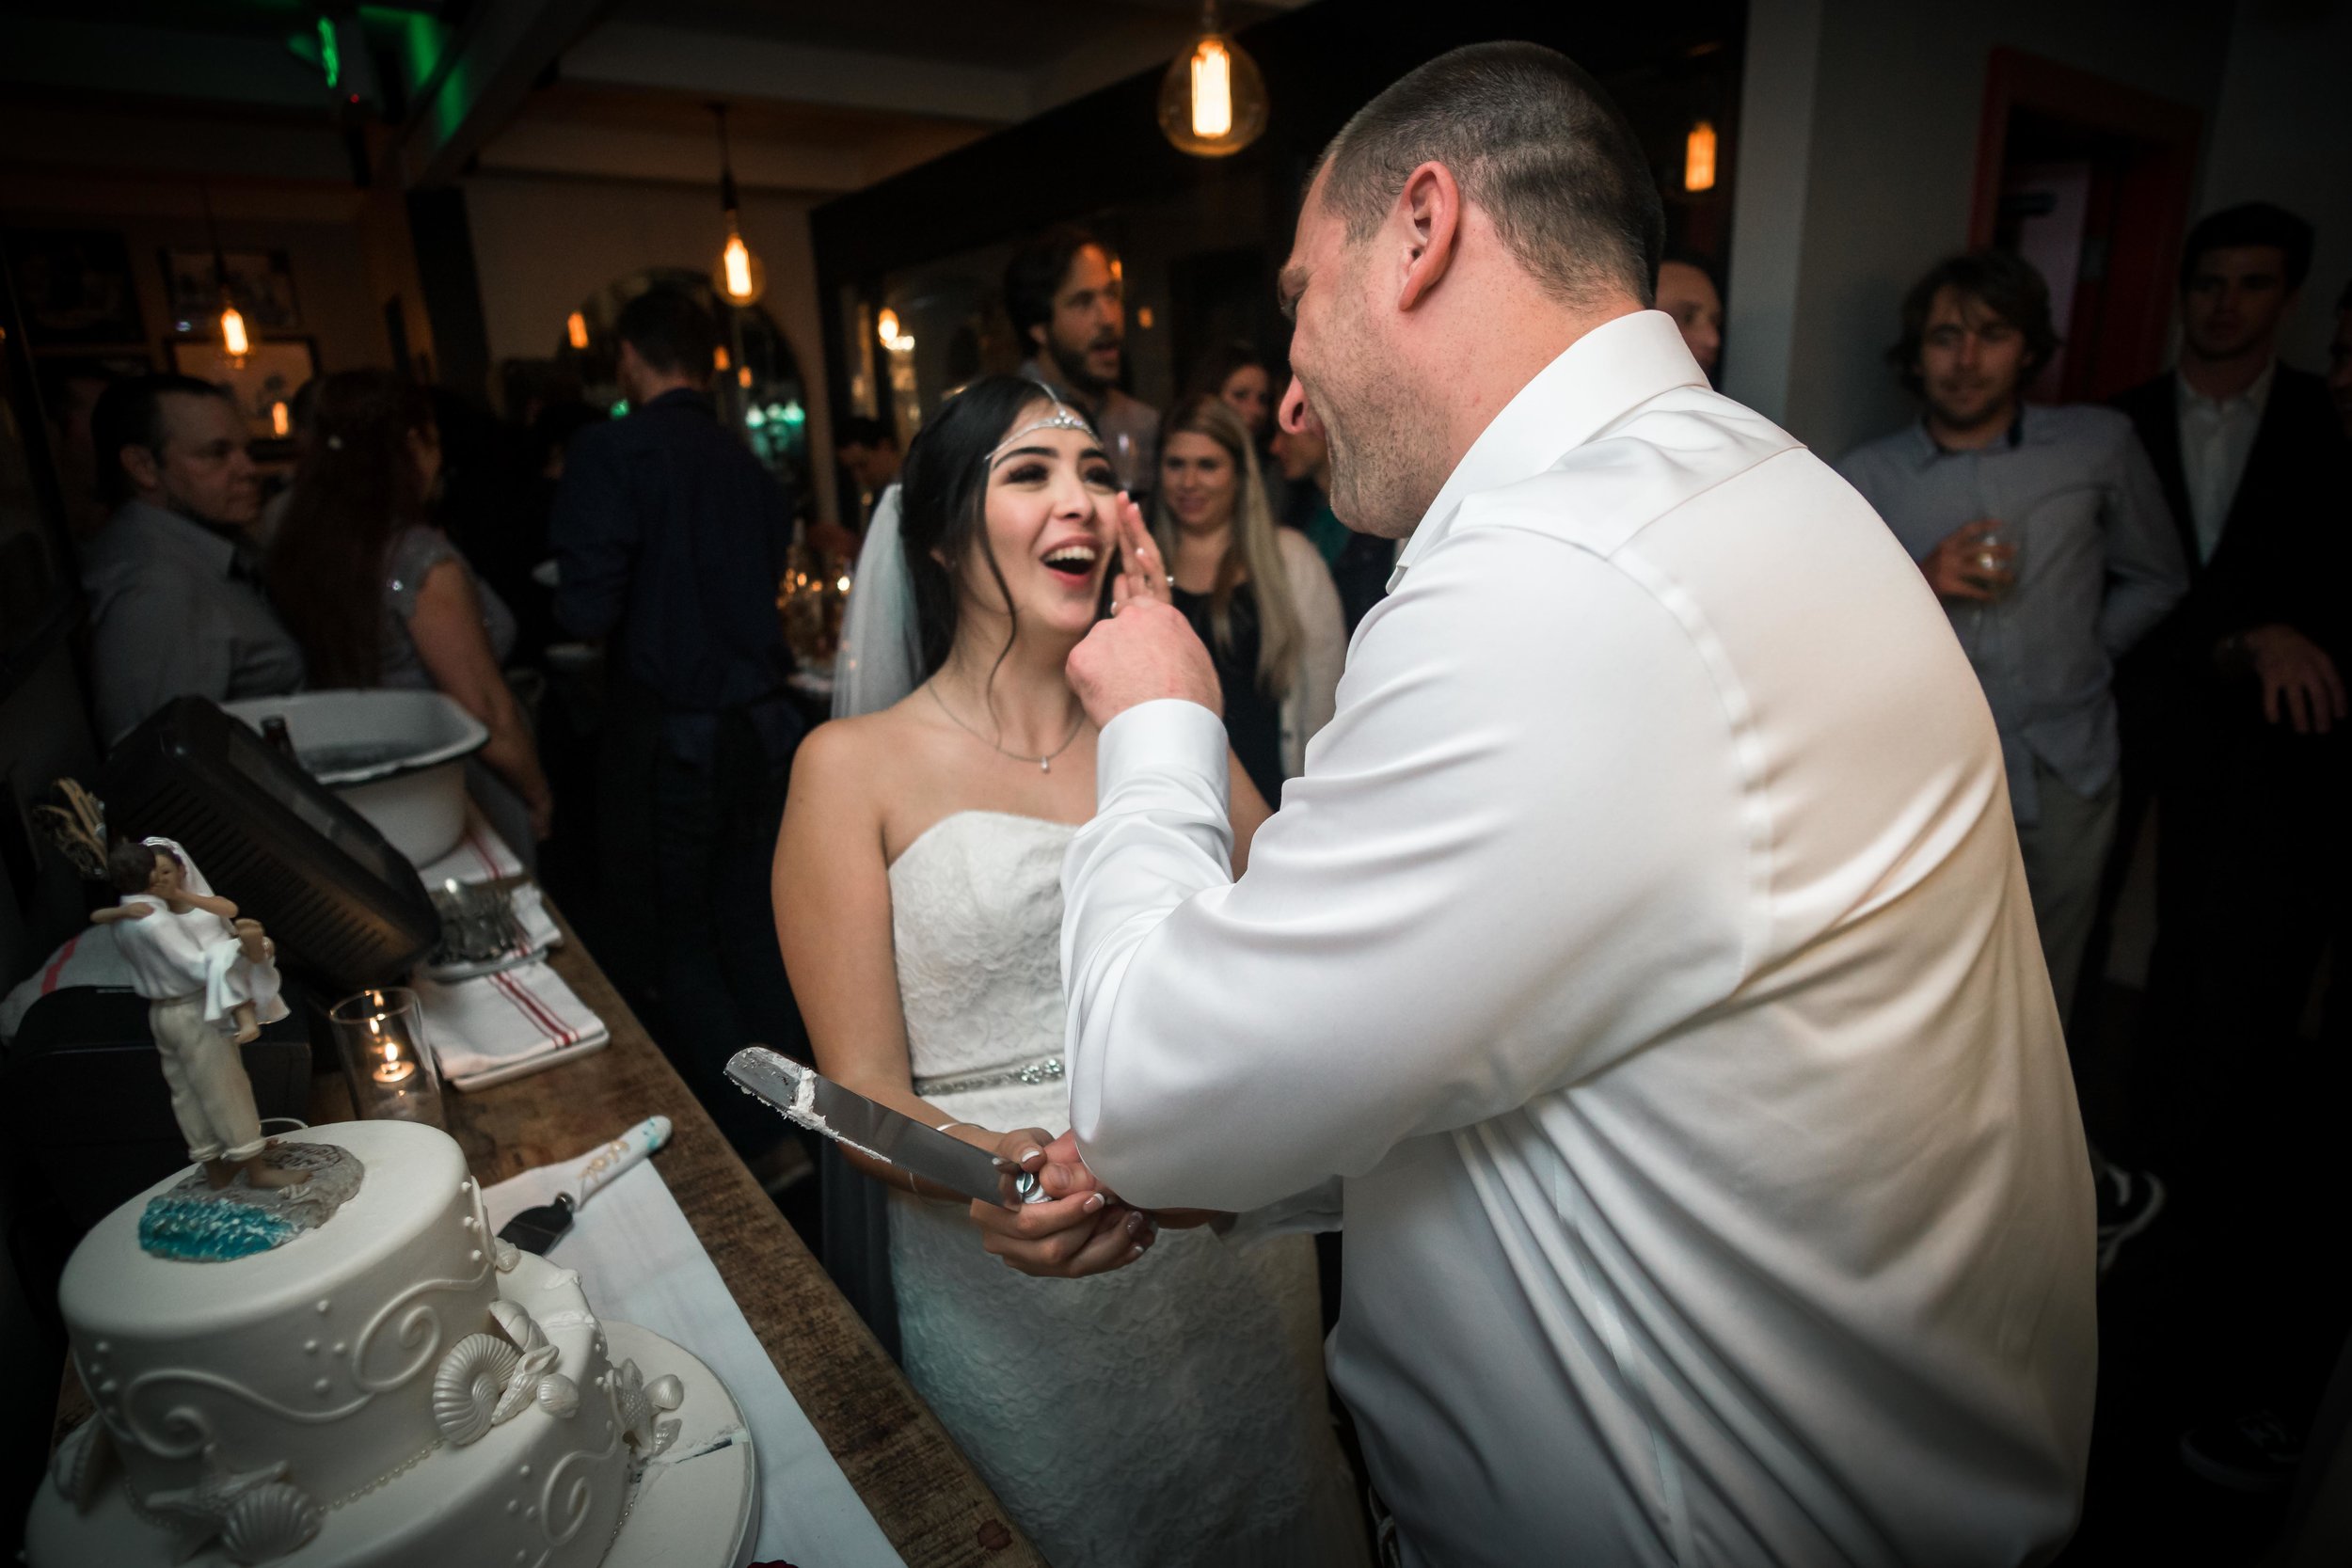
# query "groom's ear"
(1430, 208)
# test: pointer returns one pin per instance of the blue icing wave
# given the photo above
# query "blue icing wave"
(207, 1231)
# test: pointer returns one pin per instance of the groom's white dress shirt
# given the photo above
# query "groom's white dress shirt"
(1647, 950)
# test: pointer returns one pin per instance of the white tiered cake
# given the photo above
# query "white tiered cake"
(395, 1387)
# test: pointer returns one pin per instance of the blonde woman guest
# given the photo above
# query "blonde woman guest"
(1259, 595)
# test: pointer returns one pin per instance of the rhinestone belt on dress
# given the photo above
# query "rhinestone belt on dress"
(1048, 1071)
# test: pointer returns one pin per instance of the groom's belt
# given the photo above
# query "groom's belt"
(1045, 1069)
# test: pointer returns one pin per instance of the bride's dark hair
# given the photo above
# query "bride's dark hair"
(943, 501)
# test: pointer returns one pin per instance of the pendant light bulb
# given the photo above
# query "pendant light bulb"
(1212, 90)
(1213, 101)
(1698, 157)
(736, 275)
(233, 341)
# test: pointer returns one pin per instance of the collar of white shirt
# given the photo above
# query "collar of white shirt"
(1611, 370)
(2256, 397)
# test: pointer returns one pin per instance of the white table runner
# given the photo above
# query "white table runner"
(640, 1263)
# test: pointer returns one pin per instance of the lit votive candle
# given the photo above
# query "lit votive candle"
(387, 1059)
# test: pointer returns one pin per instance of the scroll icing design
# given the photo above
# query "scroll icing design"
(419, 1327)
(582, 1495)
(190, 1419)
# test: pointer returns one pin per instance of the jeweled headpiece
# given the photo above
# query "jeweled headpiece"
(1062, 418)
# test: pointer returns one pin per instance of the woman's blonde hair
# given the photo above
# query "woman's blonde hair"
(1253, 551)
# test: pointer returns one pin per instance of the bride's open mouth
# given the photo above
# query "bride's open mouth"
(1072, 562)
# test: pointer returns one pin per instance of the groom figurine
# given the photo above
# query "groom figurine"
(1643, 963)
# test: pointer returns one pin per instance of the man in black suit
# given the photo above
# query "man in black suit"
(2235, 712)
(670, 539)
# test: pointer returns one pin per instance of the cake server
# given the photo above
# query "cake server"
(537, 1230)
(849, 1119)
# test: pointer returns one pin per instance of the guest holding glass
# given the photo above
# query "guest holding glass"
(1258, 595)
(2045, 534)
(377, 595)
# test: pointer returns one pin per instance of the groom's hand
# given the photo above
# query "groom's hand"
(1145, 652)
(1055, 1161)
(1080, 1230)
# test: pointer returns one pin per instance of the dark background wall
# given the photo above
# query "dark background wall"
(1204, 237)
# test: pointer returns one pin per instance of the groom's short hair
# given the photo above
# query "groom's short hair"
(1535, 142)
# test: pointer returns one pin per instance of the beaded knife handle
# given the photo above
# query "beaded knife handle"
(620, 1155)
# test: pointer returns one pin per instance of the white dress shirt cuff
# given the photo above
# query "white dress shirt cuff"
(1167, 736)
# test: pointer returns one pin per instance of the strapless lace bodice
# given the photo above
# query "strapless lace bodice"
(1169, 1414)
(976, 915)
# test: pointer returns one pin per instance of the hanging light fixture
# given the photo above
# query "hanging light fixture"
(234, 342)
(576, 329)
(737, 274)
(1698, 157)
(1213, 101)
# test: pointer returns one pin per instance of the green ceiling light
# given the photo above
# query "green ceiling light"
(330, 54)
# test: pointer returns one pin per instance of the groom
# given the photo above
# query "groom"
(1645, 950)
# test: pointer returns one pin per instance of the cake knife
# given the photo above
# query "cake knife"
(537, 1230)
(817, 1102)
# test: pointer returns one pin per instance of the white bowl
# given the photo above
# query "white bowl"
(397, 757)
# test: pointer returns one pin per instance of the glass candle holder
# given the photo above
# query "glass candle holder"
(387, 1058)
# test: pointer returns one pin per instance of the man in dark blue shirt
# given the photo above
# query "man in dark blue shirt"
(670, 540)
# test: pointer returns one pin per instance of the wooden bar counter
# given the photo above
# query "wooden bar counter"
(909, 1474)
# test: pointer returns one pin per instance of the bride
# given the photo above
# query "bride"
(1171, 1408)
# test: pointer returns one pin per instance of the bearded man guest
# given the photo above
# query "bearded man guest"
(1643, 964)
(1065, 292)
(2045, 534)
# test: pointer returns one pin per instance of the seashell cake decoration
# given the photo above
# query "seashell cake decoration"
(269, 1522)
(489, 1378)
(80, 1464)
(257, 1515)
(559, 1396)
(467, 1386)
(639, 1405)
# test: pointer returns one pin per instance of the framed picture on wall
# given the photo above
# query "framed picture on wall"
(260, 281)
(272, 373)
(74, 287)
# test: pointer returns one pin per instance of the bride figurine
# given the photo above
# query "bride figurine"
(1168, 1409)
(210, 985)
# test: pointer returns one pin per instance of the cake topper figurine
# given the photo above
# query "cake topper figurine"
(210, 983)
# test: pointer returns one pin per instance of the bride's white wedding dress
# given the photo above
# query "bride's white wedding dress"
(1171, 1412)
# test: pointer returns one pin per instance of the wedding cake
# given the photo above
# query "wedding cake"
(394, 1388)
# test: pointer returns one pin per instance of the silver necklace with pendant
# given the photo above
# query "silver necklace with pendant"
(1044, 764)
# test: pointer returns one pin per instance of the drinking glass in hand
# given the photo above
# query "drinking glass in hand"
(1997, 559)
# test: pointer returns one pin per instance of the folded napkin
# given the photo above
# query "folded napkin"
(497, 1027)
(480, 855)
